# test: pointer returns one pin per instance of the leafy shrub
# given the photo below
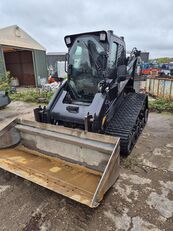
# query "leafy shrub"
(5, 82)
(161, 104)
(32, 95)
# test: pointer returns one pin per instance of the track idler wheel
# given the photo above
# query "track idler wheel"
(143, 122)
(138, 129)
(146, 116)
(126, 146)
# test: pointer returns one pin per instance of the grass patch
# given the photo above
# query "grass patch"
(32, 96)
(161, 105)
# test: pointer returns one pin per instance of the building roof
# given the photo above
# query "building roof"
(55, 53)
(15, 36)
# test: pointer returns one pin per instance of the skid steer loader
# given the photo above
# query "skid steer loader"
(73, 147)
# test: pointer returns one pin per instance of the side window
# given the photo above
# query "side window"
(121, 56)
(112, 63)
(113, 55)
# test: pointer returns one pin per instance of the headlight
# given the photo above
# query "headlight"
(68, 40)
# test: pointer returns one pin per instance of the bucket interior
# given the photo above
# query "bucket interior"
(72, 180)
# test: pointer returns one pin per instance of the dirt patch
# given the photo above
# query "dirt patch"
(15, 109)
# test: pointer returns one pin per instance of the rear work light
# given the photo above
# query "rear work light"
(68, 40)
(102, 36)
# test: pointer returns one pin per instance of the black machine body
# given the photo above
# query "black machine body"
(100, 77)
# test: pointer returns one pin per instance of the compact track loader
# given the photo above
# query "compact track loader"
(74, 147)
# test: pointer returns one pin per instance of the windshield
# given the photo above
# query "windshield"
(86, 61)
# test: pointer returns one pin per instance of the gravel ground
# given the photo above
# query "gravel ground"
(141, 199)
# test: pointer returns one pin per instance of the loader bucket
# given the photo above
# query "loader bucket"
(77, 164)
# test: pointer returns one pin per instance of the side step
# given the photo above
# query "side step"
(74, 163)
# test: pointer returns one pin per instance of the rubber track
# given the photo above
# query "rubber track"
(124, 120)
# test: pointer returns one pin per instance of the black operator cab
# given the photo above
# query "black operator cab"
(87, 58)
(93, 59)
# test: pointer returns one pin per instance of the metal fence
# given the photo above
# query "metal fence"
(160, 87)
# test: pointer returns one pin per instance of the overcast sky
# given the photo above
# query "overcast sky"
(146, 24)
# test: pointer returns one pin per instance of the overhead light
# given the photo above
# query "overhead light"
(102, 36)
(68, 40)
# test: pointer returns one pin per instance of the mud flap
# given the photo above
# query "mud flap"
(77, 164)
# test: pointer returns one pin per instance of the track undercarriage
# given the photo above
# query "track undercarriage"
(129, 121)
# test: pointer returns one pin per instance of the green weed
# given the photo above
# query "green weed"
(129, 162)
(5, 82)
(32, 96)
(161, 104)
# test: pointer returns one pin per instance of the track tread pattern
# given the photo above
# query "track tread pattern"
(124, 120)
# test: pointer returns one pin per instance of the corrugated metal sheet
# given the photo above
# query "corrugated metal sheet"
(2, 67)
(56, 53)
(160, 87)
(15, 36)
(53, 59)
(40, 67)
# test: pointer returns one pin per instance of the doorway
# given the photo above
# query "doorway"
(20, 64)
